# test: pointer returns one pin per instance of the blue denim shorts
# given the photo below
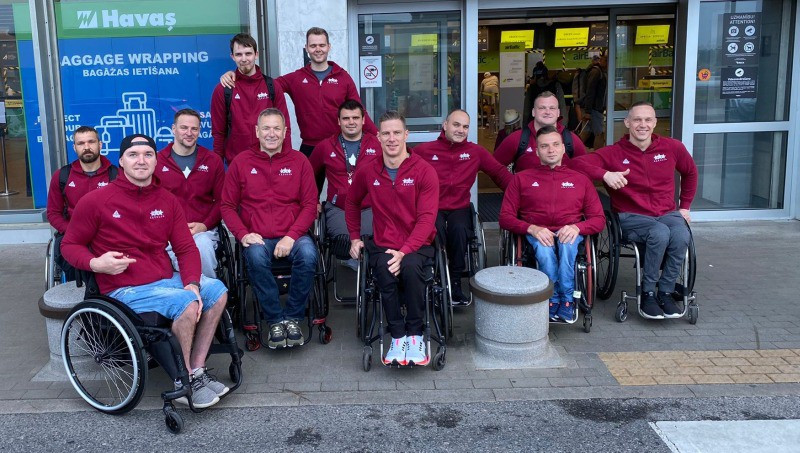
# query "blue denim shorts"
(168, 297)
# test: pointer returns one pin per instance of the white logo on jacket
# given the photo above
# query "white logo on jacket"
(203, 168)
(237, 96)
(334, 81)
(71, 184)
(464, 156)
(164, 168)
(659, 158)
(253, 171)
(305, 80)
(370, 152)
(567, 185)
(286, 172)
(116, 215)
(333, 154)
(626, 161)
(101, 184)
(376, 183)
(529, 150)
(408, 181)
(535, 184)
(156, 214)
(261, 96)
(435, 157)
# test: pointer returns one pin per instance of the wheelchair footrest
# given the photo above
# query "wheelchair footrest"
(318, 321)
(250, 327)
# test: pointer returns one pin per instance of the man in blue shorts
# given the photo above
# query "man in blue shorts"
(121, 233)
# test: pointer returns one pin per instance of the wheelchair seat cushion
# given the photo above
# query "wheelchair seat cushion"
(167, 296)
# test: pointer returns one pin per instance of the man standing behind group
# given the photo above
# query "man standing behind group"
(457, 162)
(234, 114)
(269, 203)
(317, 91)
(338, 157)
(545, 113)
(70, 183)
(195, 175)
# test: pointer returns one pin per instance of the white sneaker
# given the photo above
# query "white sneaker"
(397, 352)
(416, 352)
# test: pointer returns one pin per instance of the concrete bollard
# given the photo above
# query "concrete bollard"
(55, 306)
(511, 319)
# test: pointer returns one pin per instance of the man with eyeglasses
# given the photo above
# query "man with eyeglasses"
(519, 148)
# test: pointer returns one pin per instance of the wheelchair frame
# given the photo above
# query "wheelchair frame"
(124, 347)
(476, 255)
(684, 287)
(518, 253)
(369, 311)
(316, 308)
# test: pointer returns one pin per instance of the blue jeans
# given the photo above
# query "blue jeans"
(303, 257)
(559, 269)
(167, 296)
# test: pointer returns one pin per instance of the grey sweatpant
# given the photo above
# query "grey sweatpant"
(666, 234)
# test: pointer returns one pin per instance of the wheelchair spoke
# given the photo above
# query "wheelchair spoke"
(86, 334)
(116, 372)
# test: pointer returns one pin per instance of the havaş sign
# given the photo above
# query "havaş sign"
(112, 18)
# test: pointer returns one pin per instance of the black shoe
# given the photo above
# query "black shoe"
(667, 304)
(458, 297)
(650, 307)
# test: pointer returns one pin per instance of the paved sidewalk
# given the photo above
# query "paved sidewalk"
(747, 283)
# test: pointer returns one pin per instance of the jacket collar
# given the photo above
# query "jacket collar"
(255, 78)
(104, 165)
(625, 143)
(123, 183)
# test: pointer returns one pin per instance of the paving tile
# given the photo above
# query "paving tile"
(416, 384)
(674, 380)
(767, 361)
(751, 379)
(647, 372)
(785, 377)
(712, 379)
(568, 382)
(491, 383)
(684, 370)
(601, 380)
(301, 387)
(531, 382)
(729, 361)
(767, 369)
(740, 353)
(636, 380)
(721, 370)
(446, 384)
(263, 388)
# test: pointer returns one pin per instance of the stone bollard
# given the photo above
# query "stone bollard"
(55, 306)
(511, 319)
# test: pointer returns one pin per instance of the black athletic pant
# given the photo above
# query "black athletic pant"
(412, 277)
(454, 229)
(320, 178)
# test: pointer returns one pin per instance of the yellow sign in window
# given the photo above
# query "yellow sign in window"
(525, 36)
(652, 34)
(425, 40)
(572, 37)
(655, 83)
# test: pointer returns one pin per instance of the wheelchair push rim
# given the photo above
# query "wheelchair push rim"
(117, 361)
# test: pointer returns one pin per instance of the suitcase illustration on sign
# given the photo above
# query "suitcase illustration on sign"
(141, 118)
(112, 130)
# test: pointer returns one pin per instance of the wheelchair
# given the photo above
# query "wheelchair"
(123, 346)
(53, 274)
(516, 251)
(226, 270)
(437, 326)
(333, 249)
(249, 310)
(475, 255)
(612, 246)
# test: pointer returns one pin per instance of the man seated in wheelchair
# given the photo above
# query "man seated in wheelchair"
(457, 162)
(71, 182)
(195, 175)
(405, 193)
(121, 233)
(337, 157)
(639, 173)
(269, 202)
(552, 206)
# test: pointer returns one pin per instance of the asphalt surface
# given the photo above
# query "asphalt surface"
(553, 426)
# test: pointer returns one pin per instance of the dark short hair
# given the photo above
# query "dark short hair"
(640, 104)
(454, 111)
(85, 129)
(317, 31)
(390, 116)
(271, 112)
(546, 130)
(190, 112)
(350, 104)
(545, 94)
(244, 40)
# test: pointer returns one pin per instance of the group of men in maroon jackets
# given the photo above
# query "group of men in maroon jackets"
(268, 200)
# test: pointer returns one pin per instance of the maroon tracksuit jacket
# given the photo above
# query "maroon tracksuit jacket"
(329, 156)
(200, 193)
(78, 185)
(507, 150)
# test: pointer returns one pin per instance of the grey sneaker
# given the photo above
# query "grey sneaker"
(202, 396)
(294, 336)
(277, 336)
(211, 382)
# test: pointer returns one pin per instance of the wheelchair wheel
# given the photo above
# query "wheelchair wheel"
(607, 244)
(364, 298)
(102, 332)
(443, 303)
(173, 420)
